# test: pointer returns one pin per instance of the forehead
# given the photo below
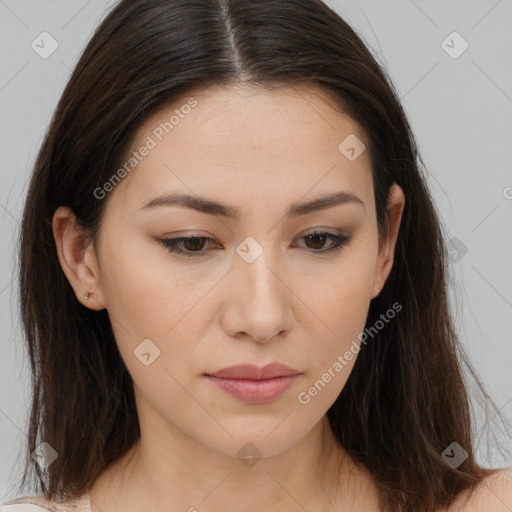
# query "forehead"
(230, 139)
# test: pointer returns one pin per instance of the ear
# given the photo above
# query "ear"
(77, 258)
(395, 207)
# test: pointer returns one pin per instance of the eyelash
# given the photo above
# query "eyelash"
(171, 244)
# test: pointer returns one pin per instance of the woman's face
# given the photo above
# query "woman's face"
(256, 289)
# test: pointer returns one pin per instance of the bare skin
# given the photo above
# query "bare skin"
(257, 151)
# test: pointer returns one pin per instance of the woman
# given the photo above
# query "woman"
(233, 280)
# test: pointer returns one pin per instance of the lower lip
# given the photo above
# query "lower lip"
(254, 391)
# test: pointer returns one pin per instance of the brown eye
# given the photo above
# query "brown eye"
(193, 246)
(316, 241)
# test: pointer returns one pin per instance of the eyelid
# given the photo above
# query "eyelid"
(339, 240)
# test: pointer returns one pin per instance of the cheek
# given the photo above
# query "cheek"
(149, 298)
(340, 295)
(152, 317)
(144, 293)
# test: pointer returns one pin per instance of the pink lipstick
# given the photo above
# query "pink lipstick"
(253, 384)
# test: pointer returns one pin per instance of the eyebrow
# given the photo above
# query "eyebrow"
(211, 207)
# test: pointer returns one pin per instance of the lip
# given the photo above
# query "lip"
(253, 372)
(253, 384)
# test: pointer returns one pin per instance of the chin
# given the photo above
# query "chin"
(254, 441)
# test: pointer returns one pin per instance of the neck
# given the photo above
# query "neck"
(175, 470)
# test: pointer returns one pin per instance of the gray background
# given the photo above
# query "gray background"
(460, 110)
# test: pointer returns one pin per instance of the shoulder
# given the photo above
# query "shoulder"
(41, 504)
(493, 494)
(27, 505)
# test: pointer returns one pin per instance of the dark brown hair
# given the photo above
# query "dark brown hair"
(406, 399)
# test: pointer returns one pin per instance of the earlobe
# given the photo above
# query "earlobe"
(77, 259)
(395, 207)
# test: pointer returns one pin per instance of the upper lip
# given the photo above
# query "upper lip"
(253, 372)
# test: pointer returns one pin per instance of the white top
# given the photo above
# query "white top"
(40, 504)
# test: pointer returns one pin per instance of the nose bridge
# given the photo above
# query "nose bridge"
(258, 266)
(261, 294)
(263, 282)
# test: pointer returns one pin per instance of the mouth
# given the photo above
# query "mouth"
(252, 384)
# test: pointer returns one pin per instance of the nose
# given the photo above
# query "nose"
(258, 306)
